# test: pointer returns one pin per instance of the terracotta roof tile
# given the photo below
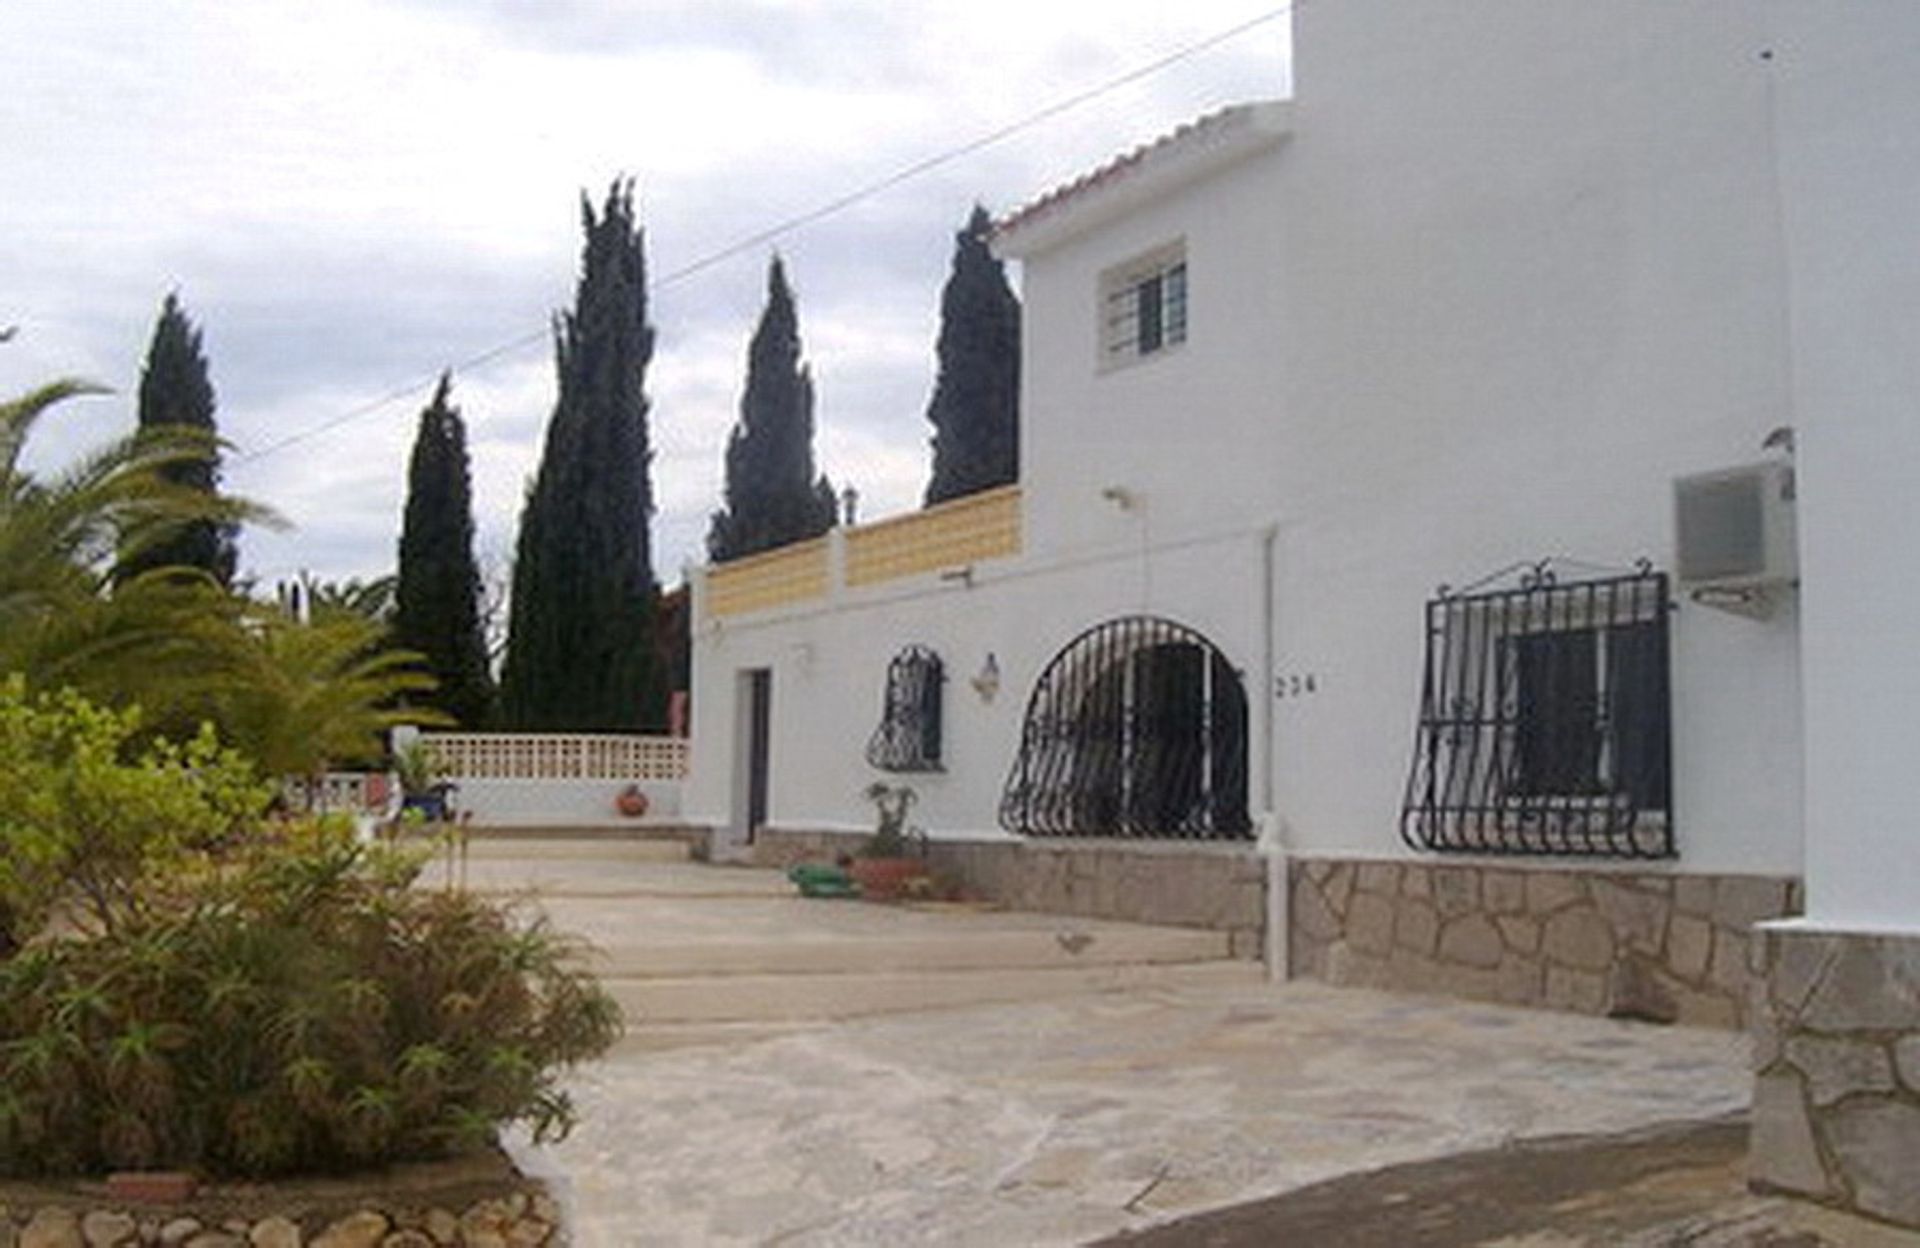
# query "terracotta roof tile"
(1115, 169)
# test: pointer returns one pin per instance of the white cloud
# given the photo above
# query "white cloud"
(353, 194)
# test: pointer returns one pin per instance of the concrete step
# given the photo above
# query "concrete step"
(663, 1037)
(578, 847)
(607, 879)
(597, 834)
(1070, 943)
(795, 998)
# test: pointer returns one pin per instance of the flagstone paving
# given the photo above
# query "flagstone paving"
(1190, 1104)
(1064, 1121)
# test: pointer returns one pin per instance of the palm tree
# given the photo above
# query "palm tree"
(62, 619)
(58, 535)
(306, 594)
(294, 695)
(304, 696)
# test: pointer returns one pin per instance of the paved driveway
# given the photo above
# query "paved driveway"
(1059, 1122)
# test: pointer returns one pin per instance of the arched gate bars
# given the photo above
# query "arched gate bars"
(1138, 728)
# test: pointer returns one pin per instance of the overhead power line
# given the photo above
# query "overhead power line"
(800, 221)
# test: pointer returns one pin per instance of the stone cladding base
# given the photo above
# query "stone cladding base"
(1836, 1097)
(464, 1203)
(1217, 887)
(1662, 946)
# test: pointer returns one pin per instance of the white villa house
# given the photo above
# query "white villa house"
(1465, 541)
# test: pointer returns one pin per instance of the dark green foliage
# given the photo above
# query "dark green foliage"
(673, 639)
(175, 392)
(975, 410)
(438, 598)
(300, 1009)
(773, 495)
(580, 636)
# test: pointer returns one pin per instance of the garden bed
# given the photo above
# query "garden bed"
(475, 1201)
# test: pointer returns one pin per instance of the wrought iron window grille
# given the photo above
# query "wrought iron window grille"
(908, 738)
(1144, 305)
(1545, 718)
(1137, 728)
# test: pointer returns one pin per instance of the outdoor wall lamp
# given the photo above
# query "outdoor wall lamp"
(1120, 496)
(986, 682)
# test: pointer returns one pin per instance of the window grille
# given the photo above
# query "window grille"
(1138, 728)
(908, 738)
(1145, 309)
(1545, 720)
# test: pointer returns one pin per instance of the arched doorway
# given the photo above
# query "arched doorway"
(1137, 728)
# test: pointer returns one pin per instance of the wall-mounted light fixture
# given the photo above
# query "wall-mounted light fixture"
(986, 681)
(1120, 496)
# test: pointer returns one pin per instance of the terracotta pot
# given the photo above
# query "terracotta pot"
(632, 803)
(886, 879)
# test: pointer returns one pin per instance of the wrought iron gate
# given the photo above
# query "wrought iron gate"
(1138, 728)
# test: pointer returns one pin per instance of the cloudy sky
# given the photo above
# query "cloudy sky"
(350, 195)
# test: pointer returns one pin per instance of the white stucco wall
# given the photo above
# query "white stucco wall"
(1849, 78)
(562, 803)
(1192, 434)
(1517, 265)
(829, 668)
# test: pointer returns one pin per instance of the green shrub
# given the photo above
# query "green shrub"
(84, 815)
(295, 1007)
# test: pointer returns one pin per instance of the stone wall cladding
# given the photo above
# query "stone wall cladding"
(1219, 888)
(461, 1204)
(1836, 1104)
(1667, 947)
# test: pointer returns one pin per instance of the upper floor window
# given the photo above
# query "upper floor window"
(1143, 306)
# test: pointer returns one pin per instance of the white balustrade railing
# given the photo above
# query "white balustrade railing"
(351, 792)
(556, 756)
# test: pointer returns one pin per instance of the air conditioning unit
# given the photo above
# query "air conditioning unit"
(1734, 535)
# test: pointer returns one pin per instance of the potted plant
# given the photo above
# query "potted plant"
(631, 802)
(890, 864)
(423, 787)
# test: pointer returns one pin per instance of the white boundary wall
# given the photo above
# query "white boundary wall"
(558, 779)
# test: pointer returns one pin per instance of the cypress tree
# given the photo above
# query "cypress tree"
(975, 410)
(580, 632)
(773, 495)
(437, 600)
(174, 390)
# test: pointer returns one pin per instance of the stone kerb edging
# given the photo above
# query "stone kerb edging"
(1836, 1099)
(469, 1203)
(1667, 947)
